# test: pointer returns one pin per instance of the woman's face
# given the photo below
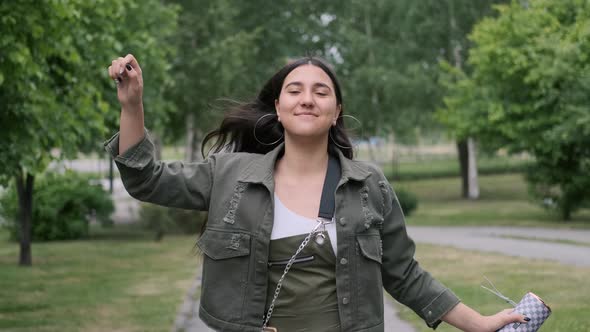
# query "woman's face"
(307, 105)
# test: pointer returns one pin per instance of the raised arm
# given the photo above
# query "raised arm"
(174, 184)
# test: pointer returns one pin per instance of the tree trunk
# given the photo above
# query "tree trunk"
(473, 183)
(24, 187)
(197, 139)
(465, 148)
(463, 154)
(111, 174)
(190, 137)
(371, 151)
(566, 213)
(394, 158)
(157, 145)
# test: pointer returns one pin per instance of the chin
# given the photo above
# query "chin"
(307, 134)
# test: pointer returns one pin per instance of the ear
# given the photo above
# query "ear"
(338, 111)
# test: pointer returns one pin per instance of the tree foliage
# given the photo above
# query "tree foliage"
(529, 91)
(53, 84)
(56, 97)
(391, 51)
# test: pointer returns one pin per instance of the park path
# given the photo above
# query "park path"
(535, 243)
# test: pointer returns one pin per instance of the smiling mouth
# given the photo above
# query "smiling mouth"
(305, 114)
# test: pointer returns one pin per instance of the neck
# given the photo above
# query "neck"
(304, 158)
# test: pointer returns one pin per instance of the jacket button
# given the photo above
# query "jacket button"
(343, 261)
(342, 221)
(345, 300)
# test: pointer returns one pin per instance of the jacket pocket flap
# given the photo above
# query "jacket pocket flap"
(222, 245)
(370, 246)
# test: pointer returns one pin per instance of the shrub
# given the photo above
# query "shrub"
(63, 205)
(407, 200)
(163, 220)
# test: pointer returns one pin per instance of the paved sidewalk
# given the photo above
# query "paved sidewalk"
(539, 244)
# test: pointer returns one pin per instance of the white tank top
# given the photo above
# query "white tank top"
(288, 223)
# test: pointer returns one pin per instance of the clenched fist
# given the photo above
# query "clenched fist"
(127, 75)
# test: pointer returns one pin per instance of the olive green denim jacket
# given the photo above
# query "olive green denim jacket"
(374, 250)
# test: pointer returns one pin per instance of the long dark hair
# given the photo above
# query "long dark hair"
(236, 132)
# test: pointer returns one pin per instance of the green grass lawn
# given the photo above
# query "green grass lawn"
(117, 281)
(564, 288)
(504, 201)
(445, 167)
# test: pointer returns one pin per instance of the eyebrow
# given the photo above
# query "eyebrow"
(315, 85)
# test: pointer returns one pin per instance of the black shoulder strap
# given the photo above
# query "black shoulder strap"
(328, 200)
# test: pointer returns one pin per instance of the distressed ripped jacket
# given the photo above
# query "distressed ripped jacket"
(374, 251)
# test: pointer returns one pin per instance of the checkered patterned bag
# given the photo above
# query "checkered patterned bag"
(533, 307)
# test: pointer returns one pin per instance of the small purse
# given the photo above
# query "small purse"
(530, 305)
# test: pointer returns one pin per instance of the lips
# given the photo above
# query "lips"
(305, 113)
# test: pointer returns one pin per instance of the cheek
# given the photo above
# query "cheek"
(284, 102)
(330, 106)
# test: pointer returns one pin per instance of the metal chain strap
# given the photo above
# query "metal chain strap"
(321, 223)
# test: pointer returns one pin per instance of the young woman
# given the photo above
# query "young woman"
(300, 237)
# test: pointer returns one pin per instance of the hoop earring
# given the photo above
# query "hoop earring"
(254, 131)
(333, 141)
(332, 138)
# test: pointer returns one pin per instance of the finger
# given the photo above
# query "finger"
(524, 319)
(112, 69)
(112, 74)
(119, 66)
(130, 59)
(512, 316)
(131, 73)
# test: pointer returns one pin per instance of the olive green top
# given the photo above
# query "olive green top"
(307, 300)
(237, 189)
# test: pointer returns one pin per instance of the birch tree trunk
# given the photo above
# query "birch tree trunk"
(473, 182)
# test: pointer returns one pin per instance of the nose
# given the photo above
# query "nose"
(306, 99)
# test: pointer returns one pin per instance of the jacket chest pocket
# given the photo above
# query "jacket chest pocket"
(225, 272)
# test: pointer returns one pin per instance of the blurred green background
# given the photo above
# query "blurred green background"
(477, 111)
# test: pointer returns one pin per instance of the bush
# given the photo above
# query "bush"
(407, 200)
(163, 220)
(63, 205)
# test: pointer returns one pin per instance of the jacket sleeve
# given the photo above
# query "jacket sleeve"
(173, 184)
(403, 277)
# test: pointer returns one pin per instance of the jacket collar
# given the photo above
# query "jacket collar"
(261, 169)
